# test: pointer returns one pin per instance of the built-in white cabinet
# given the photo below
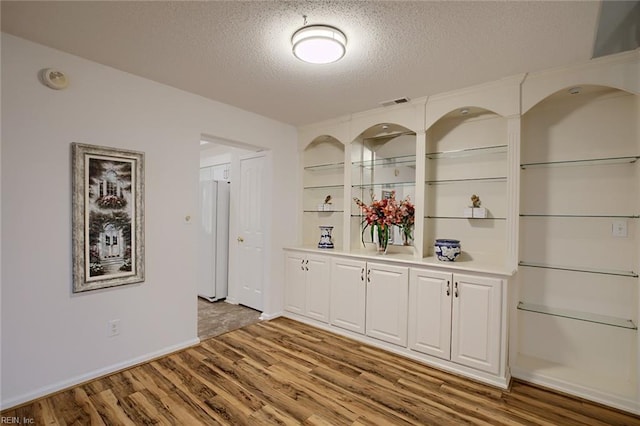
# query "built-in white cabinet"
(348, 293)
(307, 284)
(456, 317)
(387, 301)
(476, 322)
(370, 298)
(449, 319)
(430, 312)
(551, 255)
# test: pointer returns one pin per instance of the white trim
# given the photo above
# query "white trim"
(565, 386)
(268, 317)
(83, 378)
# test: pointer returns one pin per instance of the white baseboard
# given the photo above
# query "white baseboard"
(266, 317)
(47, 390)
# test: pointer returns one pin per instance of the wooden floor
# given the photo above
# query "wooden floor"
(285, 372)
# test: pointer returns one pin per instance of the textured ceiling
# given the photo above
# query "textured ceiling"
(239, 53)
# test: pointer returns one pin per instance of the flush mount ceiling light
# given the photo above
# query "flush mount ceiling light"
(318, 44)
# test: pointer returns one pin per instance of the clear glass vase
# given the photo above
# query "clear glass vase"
(383, 233)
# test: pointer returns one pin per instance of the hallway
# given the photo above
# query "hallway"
(220, 317)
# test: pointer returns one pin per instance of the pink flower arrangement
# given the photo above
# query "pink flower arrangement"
(386, 213)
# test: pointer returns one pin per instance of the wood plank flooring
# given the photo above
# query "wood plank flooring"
(288, 373)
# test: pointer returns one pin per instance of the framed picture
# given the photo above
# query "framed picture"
(108, 217)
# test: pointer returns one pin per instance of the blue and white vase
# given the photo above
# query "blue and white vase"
(325, 237)
(447, 250)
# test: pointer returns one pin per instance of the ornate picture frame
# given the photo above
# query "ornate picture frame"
(108, 217)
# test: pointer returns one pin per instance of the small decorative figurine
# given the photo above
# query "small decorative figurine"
(475, 201)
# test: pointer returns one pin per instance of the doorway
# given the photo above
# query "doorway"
(243, 167)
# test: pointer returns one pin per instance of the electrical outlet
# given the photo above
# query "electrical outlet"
(619, 228)
(113, 328)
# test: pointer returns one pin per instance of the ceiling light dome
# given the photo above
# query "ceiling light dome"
(319, 44)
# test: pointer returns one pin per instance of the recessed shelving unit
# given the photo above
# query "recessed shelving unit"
(323, 177)
(383, 161)
(578, 315)
(466, 154)
(579, 180)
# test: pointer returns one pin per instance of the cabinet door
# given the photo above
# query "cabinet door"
(295, 287)
(475, 333)
(387, 300)
(318, 285)
(430, 294)
(348, 292)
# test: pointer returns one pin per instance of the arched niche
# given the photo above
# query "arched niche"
(383, 161)
(598, 120)
(323, 189)
(467, 155)
(578, 233)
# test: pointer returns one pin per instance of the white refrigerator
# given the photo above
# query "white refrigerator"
(214, 240)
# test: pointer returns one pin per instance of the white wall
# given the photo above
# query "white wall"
(52, 338)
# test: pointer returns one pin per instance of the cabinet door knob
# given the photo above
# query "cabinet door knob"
(362, 275)
(368, 275)
(240, 239)
(448, 288)
(455, 286)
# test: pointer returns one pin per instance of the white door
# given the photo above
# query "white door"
(348, 293)
(430, 294)
(250, 260)
(318, 270)
(294, 283)
(475, 333)
(387, 302)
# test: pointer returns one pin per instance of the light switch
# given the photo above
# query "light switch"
(619, 228)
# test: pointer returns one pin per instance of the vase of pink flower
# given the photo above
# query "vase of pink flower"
(381, 215)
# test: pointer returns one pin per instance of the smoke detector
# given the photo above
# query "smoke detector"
(54, 79)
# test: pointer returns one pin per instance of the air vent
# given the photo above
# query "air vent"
(395, 102)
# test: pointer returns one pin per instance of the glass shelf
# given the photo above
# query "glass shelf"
(580, 269)
(583, 162)
(481, 179)
(384, 184)
(463, 217)
(606, 216)
(325, 167)
(324, 187)
(578, 315)
(404, 160)
(469, 152)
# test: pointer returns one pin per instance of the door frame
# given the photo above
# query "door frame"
(233, 276)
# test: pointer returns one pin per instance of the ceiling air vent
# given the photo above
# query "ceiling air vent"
(395, 102)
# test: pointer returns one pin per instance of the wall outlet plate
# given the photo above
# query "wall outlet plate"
(619, 228)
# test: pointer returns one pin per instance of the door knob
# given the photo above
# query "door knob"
(240, 240)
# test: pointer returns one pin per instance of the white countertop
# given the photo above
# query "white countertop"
(463, 263)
